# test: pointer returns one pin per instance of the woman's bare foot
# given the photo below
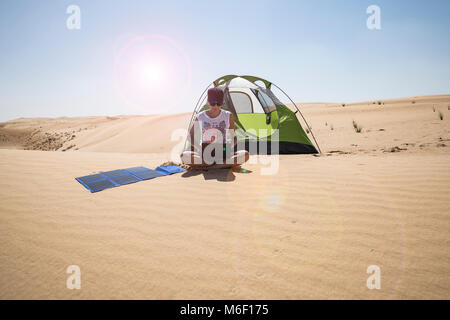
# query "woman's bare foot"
(240, 157)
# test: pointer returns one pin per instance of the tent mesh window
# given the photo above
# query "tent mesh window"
(241, 102)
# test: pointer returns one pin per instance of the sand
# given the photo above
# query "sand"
(378, 197)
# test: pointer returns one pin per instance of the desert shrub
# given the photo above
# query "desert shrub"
(356, 127)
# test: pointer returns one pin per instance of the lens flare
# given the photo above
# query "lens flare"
(152, 74)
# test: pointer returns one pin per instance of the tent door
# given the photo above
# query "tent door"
(256, 120)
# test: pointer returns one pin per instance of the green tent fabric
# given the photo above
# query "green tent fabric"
(264, 125)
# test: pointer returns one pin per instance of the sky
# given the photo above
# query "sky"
(153, 57)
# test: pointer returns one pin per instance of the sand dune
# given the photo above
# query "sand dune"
(407, 123)
(140, 134)
(378, 197)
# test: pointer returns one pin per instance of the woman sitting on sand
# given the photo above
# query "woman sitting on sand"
(214, 124)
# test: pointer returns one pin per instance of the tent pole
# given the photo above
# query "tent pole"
(197, 104)
(301, 115)
(195, 110)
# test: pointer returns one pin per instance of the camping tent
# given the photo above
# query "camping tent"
(264, 125)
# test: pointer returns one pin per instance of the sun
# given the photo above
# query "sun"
(150, 75)
(145, 69)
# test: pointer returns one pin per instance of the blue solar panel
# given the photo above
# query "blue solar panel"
(100, 185)
(137, 169)
(114, 173)
(149, 174)
(125, 179)
(109, 179)
(91, 178)
(169, 169)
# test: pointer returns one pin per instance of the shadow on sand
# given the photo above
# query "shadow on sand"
(219, 174)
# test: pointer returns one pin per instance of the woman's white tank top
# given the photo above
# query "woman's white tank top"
(214, 129)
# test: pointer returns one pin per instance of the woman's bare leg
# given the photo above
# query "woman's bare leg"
(194, 160)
